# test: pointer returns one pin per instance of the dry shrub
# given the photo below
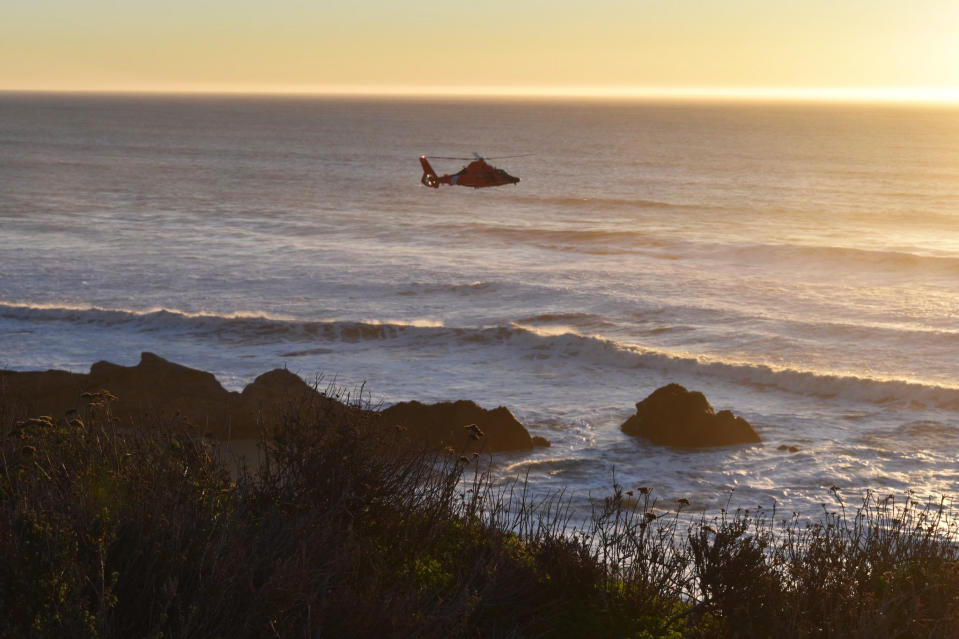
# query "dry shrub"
(343, 529)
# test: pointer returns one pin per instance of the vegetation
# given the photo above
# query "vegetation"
(342, 530)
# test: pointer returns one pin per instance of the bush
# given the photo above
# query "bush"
(343, 529)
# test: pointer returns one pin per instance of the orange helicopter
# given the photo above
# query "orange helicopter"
(477, 174)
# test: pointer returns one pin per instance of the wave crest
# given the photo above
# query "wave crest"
(592, 354)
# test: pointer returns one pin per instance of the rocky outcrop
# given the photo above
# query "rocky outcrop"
(158, 389)
(41, 392)
(461, 425)
(674, 416)
(157, 392)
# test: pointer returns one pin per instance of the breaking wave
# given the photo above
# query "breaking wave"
(579, 354)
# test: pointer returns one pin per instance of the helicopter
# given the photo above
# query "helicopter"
(477, 174)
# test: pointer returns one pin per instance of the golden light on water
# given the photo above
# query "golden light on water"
(941, 95)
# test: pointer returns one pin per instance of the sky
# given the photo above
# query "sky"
(485, 46)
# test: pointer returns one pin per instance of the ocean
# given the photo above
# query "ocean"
(796, 262)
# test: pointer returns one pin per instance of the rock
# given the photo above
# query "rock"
(674, 416)
(791, 449)
(160, 392)
(157, 392)
(280, 393)
(41, 392)
(461, 425)
(278, 384)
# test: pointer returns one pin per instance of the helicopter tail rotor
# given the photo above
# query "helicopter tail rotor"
(429, 175)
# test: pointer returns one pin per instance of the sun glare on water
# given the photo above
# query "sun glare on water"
(906, 95)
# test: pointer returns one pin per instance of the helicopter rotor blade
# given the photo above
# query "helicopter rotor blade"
(506, 157)
(478, 156)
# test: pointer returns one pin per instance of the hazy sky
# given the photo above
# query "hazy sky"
(378, 44)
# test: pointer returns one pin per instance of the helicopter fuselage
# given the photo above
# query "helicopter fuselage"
(477, 174)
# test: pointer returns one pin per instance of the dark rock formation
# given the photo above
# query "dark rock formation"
(674, 416)
(157, 392)
(41, 392)
(280, 393)
(461, 425)
(156, 388)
